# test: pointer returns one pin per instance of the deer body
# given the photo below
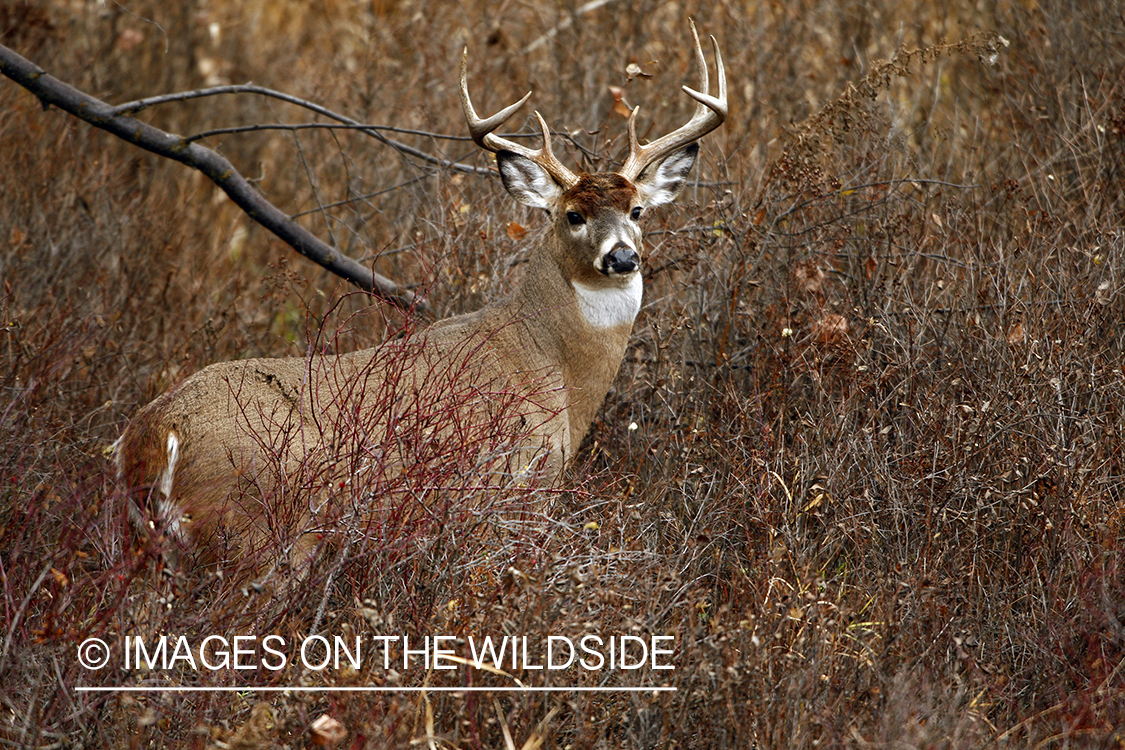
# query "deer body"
(208, 462)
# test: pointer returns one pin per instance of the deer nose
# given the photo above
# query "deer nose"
(621, 259)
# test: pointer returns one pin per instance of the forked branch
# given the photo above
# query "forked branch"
(132, 108)
(52, 91)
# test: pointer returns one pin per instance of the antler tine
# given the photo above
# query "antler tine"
(481, 131)
(710, 112)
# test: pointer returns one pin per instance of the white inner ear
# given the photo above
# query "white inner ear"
(527, 181)
(661, 183)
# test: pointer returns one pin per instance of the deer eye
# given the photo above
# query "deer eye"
(636, 213)
(574, 218)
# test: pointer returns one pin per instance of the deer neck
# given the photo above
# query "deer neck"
(582, 328)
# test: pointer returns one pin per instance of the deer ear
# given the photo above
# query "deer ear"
(661, 182)
(527, 181)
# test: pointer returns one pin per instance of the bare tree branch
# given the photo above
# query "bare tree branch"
(131, 108)
(50, 91)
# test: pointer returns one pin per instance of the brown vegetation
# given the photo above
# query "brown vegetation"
(863, 460)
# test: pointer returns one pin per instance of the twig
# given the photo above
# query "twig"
(50, 91)
(14, 624)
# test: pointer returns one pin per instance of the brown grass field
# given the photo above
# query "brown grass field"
(865, 458)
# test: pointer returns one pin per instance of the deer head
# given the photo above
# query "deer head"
(595, 236)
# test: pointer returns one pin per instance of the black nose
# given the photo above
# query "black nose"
(621, 259)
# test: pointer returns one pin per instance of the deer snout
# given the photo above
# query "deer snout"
(621, 259)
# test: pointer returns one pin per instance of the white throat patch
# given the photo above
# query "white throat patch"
(609, 307)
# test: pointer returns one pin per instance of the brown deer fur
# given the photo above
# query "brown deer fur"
(214, 465)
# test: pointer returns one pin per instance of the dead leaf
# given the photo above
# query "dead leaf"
(620, 106)
(326, 731)
(632, 70)
(128, 39)
(259, 731)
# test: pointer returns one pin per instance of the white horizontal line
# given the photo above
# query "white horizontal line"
(371, 689)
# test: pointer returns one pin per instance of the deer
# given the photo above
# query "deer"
(202, 465)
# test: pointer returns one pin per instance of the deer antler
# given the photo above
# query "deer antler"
(481, 131)
(709, 114)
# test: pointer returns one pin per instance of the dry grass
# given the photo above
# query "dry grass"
(863, 460)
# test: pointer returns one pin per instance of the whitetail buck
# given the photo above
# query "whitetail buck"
(208, 463)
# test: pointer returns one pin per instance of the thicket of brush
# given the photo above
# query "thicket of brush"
(863, 459)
